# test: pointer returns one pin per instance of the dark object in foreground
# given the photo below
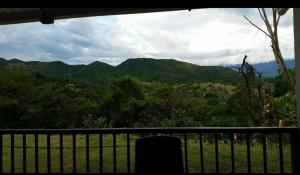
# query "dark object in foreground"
(158, 155)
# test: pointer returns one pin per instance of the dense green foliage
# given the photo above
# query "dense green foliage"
(30, 98)
(35, 101)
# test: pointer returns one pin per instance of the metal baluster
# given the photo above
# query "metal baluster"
(74, 152)
(128, 153)
(186, 154)
(61, 154)
(1, 154)
(281, 153)
(48, 153)
(201, 153)
(12, 153)
(232, 152)
(248, 153)
(87, 151)
(36, 154)
(216, 152)
(24, 154)
(265, 154)
(114, 154)
(101, 152)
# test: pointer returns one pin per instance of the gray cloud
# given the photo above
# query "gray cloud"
(241, 11)
(220, 33)
(77, 38)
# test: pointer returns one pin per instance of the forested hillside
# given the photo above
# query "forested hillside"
(143, 69)
(174, 72)
(57, 95)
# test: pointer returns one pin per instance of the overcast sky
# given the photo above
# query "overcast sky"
(203, 37)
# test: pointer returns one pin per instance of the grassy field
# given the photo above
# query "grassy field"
(193, 155)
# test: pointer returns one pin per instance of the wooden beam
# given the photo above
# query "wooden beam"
(48, 15)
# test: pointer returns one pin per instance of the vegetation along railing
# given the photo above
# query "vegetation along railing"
(250, 150)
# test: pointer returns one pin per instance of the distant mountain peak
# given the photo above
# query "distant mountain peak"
(144, 69)
(58, 63)
(269, 68)
(15, 60)
(98, 63)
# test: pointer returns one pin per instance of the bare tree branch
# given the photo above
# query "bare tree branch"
(257, 27)
(273, 35)
(264, 17)
(268, 25)
(278, 21)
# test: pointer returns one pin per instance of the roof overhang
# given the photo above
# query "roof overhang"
(48, 15)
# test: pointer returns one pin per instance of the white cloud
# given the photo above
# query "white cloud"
(204, 36)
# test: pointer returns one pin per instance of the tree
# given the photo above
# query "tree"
(285, 107)
(253, 97)
(272, 33)
(281, 86)
(123, 103)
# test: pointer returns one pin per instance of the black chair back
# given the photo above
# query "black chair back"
(158, 155)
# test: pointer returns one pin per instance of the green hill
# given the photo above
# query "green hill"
(96, 72)
(55, 68)
(144, 69)
(92, 73)
(174, 72)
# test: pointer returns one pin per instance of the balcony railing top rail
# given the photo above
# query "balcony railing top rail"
(154, 130)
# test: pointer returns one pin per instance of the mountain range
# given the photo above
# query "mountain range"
(269, 69)
(144, 69)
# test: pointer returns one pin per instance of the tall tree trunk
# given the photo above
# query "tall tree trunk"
(272, 33)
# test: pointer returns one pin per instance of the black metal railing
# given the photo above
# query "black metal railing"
(34, 151)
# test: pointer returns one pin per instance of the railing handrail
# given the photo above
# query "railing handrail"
(154, 130)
